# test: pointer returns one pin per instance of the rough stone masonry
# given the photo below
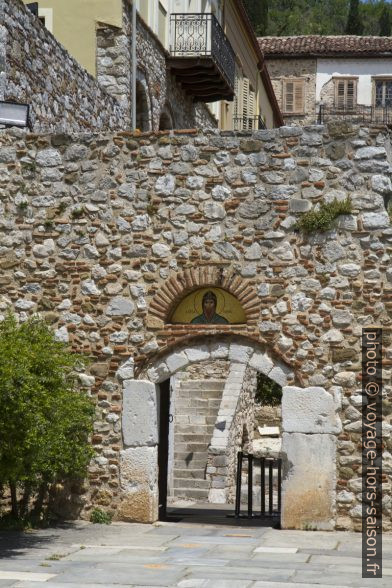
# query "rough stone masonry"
(104, 235)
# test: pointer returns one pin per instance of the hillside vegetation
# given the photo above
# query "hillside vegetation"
(320, 17)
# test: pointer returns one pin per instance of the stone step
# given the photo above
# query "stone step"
(194, 493)
(190, 483)
(190, 465)
(191, 447)
(204, 403)
(191, 439)
(205, 394)
(194, 473)
(194, 429)
(194, 385)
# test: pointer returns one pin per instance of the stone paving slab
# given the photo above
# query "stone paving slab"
(69, 585)
(127, 574)
(169, 555)
(201, 583)
(291, 585)
(287, 557)
(333, 578)
(32, 576)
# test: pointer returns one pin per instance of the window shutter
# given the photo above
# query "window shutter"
(252, 104)
(245, 98)
(236, 95)
(350, 97)
(340, 94)
(252, 100)
(289, 97)
(298, 96)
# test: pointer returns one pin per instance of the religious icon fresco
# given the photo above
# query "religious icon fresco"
(209, 306)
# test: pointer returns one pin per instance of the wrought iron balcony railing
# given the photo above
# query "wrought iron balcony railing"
(248, 123)
(200, 37)
(359, 113)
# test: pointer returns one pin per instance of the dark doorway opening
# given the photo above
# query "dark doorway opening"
(163, 447)
(142, 110)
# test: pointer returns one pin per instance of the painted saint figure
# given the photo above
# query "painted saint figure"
(209, 316)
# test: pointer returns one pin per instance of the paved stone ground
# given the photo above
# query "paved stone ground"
(185, 555)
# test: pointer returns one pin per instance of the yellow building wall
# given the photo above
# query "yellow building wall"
(74, 25)
(247, 60)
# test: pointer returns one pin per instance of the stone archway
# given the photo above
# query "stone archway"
(143, 103)
(310, 422)
(166, 119)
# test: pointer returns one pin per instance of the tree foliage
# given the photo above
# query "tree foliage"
(319, 17)
(268, 392)
(354, 24)
(385, 22)
(45, 420)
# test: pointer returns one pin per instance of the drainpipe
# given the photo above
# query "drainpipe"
(133, 66)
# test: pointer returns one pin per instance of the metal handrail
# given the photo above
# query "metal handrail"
(358, 113)
(248, 123)
(195, 34)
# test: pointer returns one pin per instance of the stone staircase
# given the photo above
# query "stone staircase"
(196, 409)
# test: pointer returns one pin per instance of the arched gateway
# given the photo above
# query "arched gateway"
(310, 426)
(154, 252)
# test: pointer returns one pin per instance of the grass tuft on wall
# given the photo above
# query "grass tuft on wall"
(324, 218)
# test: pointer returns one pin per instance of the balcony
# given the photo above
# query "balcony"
(201, 57)
(379, 115)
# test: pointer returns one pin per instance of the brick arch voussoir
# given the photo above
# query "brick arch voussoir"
(177, 287)
(199, 342)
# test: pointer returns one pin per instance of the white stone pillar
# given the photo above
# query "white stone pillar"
(310, 423)
(139, 458)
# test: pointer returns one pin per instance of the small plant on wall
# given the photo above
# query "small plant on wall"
(324, 218)
(45, 420)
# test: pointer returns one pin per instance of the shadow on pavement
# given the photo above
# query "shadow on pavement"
(15, 543)
(213, 514)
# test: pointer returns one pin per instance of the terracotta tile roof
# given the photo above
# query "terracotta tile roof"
(324, 46)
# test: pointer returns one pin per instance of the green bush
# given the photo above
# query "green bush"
(268, 392)
(100, 517)
(45, 420)
(323, 219)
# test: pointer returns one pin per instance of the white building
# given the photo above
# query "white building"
(345, 75)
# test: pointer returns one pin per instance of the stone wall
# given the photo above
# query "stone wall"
(104, 235)
(306, 69)
(37, 70)
(214, 370)
(242, 429)
(163, 94)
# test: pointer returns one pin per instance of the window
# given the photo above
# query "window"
(294, 96)
(345, 93)
(383, 93)
(248, 104)
(244, 112)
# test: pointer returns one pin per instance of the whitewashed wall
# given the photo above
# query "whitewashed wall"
(365, 69)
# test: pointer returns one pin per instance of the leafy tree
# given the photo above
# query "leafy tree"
(258, 14)
(354, 23)
(45, 421)
(319, 17)
(385, 22)
(268, 392)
